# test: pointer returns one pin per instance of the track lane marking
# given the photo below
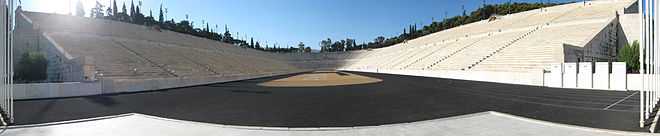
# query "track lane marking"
(539, 103)
(617, 102)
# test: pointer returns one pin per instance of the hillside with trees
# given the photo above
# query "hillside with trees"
(134, 15)
(412, 32)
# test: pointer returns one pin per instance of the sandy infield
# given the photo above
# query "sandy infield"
(321, 78)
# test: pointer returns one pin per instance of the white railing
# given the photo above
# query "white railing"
(649, 68)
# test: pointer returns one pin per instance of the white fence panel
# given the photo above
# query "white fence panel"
(601, 78)
(556, 75)
(618, 76)
(570, 75)
(585, 76)
(634, 82)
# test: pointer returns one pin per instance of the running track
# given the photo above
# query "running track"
(397, 99)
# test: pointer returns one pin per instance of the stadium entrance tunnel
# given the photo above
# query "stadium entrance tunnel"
(321, 79)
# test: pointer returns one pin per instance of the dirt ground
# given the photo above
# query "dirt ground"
(321, 78)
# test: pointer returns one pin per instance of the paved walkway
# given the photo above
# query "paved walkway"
(477, 124)
(398, 99)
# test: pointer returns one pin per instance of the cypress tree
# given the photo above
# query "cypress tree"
(114, 8)
(251, 42)
(123, 8)
(160, 16)
(132, 9)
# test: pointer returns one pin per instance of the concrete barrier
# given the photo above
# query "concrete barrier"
(52, 90)
(112, 86)
(553, 79)
(533, 78)
(137, 85)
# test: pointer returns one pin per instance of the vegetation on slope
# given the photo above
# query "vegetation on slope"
(630, 54)
(31, 68)
(412, 32)
(135, 16)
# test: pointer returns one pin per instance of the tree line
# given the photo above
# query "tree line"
(135, 16)
(412, 32)
(185, 26)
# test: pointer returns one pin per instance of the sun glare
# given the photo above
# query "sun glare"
(60, 6)
(53, 6)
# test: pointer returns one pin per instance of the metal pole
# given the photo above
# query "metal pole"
(641, 68)
(655, 51)
(655, 43)
(647, 54)
(648, 59)
(11, 62)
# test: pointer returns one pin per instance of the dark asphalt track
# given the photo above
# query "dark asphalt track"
(397, 99)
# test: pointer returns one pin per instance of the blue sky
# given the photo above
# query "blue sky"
(287, 22)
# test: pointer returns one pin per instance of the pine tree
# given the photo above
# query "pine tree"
(464, 12)
(114, 9)
(227, 36)
(123, 15)
(251, 42)
(123, 8)
(97, 11)
(138, 17)
(301, 47)
(108, 12)
(160, 16)
(137, 10)
(132, 15)
(405, 32)
(80, 9)
(207, 27)
(150, 19)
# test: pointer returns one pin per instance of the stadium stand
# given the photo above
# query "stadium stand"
(126, 51)
(524, 42)
(527, 42)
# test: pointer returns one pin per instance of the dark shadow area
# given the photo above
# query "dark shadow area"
(251, 91)
(342, 74)
(102, 100)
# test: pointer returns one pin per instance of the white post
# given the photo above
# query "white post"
(646, 55)
(650, 52)
(653, 57)
(654, 41)
(647, 101)
(641, 68)
(11, 63)
(3, 104)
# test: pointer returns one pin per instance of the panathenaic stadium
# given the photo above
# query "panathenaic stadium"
(549, 71)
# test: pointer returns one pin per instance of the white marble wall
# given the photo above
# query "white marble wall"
(109, 86)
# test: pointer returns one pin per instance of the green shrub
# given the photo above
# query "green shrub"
(630, 55)
(31, 68)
